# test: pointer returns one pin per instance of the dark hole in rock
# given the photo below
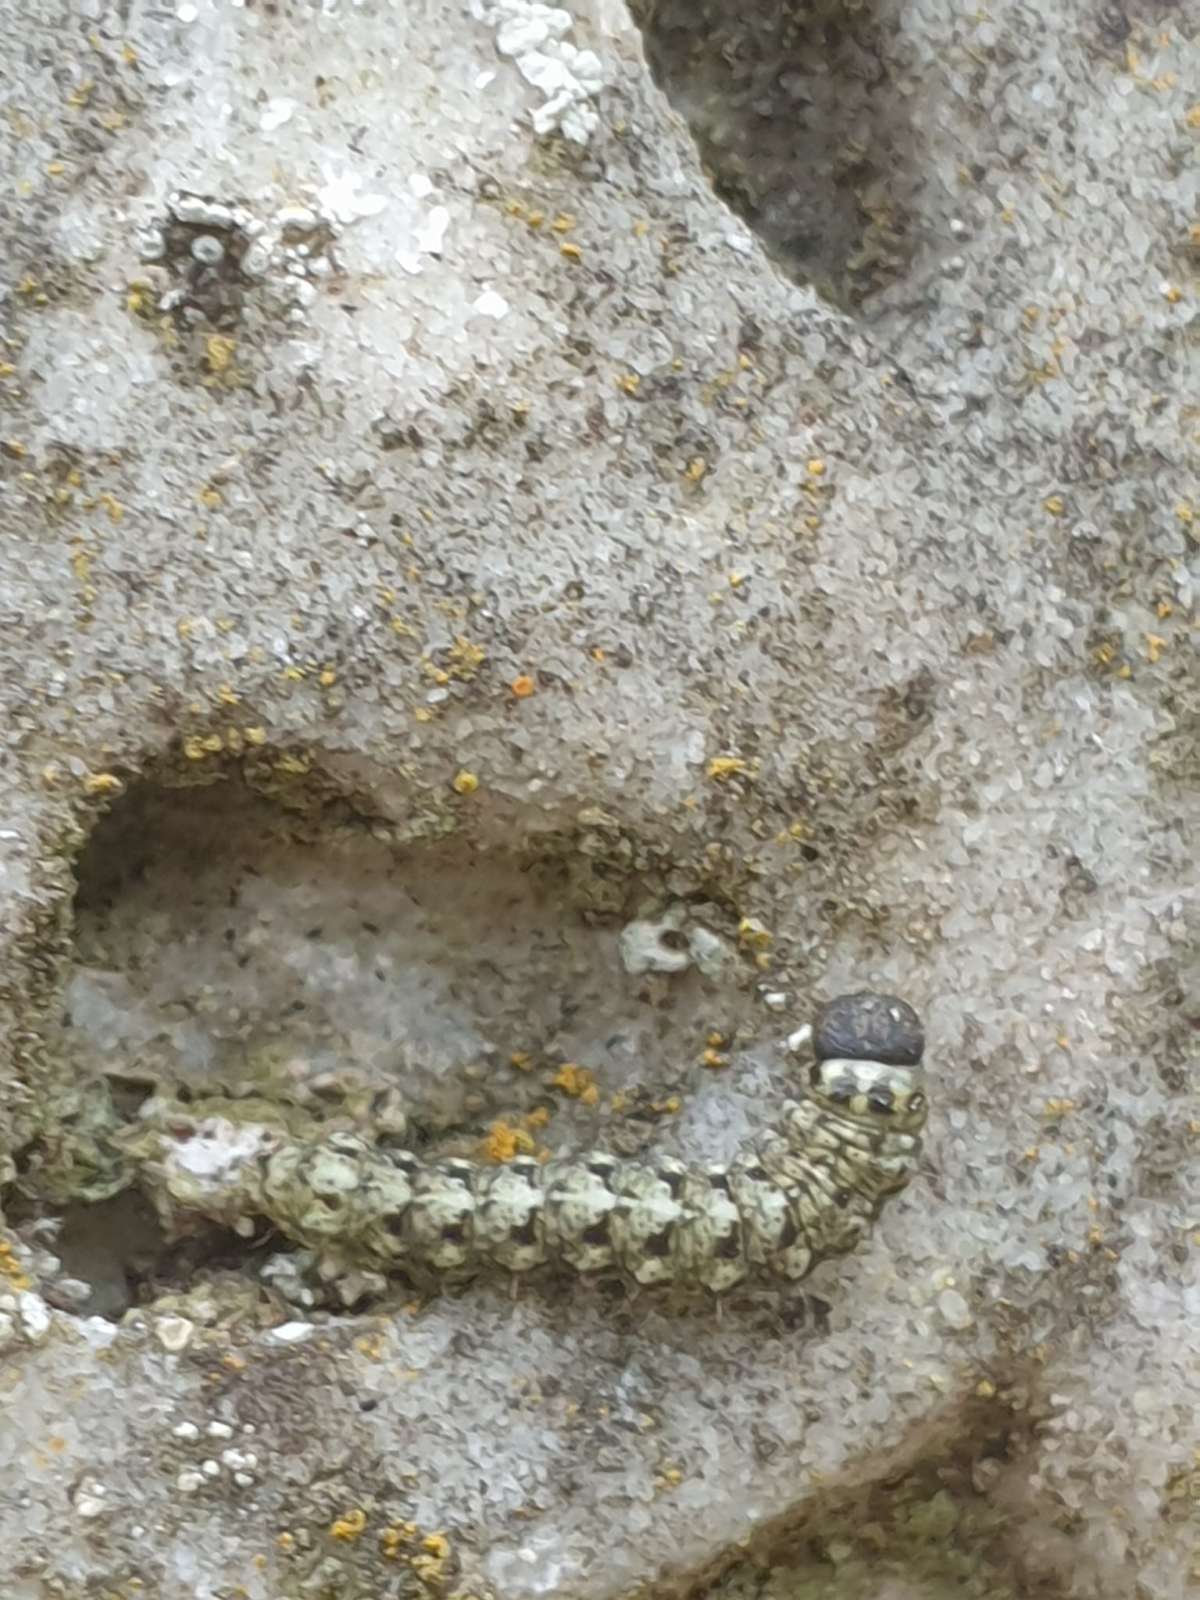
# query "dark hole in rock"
(226, 946)
(230, 951)
(802, 112)
(120, 1251)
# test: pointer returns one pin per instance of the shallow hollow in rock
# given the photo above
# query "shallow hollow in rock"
(223, 947)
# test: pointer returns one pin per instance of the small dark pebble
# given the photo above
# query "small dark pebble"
(869, 1027)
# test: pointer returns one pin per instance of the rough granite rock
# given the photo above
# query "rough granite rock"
(438, 538)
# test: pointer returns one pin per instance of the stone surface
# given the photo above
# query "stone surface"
(490, 547)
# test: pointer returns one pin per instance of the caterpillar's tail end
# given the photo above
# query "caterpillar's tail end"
(869, 1027)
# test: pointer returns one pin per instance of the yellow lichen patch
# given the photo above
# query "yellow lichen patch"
(1105, 654)
(102, 783)
(11, 1268)
(695, 469)
(571, 250)
(219, 351)
(197, 746)
(538, 1117)
(327, 678)
(521, 1059)
(523, 686)
(467, 658)
(81, 562)
(349, 1527)
(714, 1060)
(430, 1564)
(292, 766)
(1056, 1107)
(1055, 505)
(393, 1538)
(576, 1082)
(464, 783)
(722, 767)
(816, 467)
(1155, 645)
(210, 497)
(15, 449)
(504, 1143)
(630, 382)
(752, 935)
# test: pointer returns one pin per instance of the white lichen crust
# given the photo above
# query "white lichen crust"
(809, 1191)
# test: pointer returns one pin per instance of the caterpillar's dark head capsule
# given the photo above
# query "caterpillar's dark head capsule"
(868, 1051)
(869, 1027)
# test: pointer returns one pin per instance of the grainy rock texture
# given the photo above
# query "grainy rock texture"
(437, 538)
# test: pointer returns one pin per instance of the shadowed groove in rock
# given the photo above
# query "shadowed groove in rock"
(803, 118)
(220, 931)
(246, 941)
(953, 1512)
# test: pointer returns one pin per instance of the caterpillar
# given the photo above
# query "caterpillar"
(808, 1191)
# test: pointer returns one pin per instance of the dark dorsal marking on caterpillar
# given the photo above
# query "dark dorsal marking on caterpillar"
(807, 1191)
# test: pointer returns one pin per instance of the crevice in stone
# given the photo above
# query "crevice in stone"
(951, 1512)
(119, 1253)
(802, 112)
(255, 940)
